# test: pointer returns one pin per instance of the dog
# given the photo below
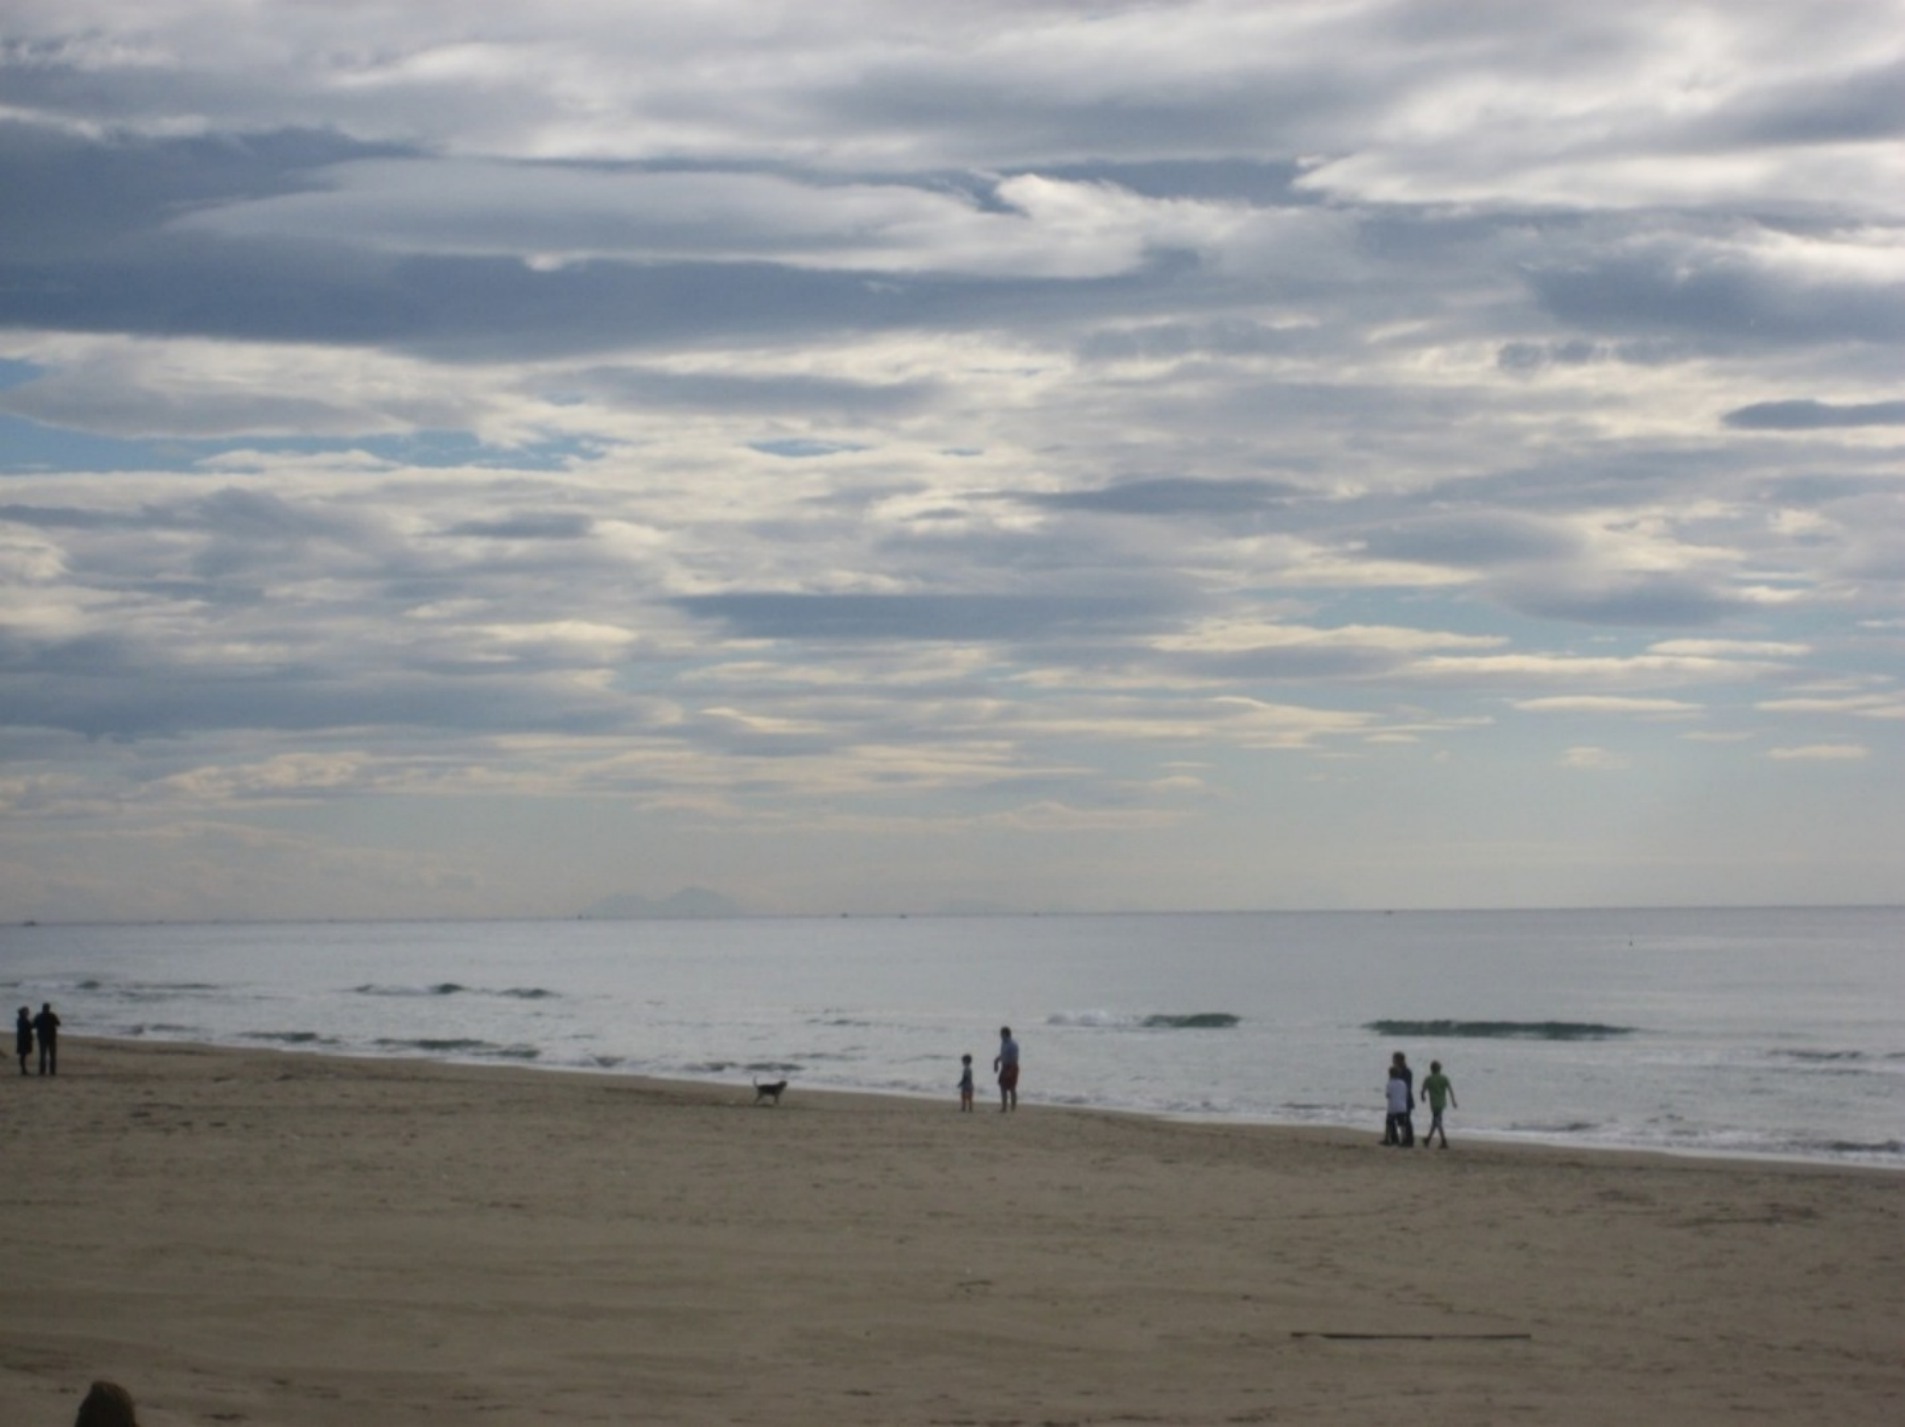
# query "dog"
(770, 1092)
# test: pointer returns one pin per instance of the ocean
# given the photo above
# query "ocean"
(1747, 1032)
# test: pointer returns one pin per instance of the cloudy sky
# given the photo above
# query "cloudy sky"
(467, 459)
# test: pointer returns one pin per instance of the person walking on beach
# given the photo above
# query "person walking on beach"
(1399, 1066)
(1006, 1062)
(23, 1036)
(1439, 1091)
(1398, 1115)
(965, 1082)
(46, 1026)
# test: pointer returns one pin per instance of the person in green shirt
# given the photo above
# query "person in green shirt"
(1439, 1091)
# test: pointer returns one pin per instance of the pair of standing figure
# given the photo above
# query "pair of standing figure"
(45, 1028)
(1400, 1126)
(1005, 1063)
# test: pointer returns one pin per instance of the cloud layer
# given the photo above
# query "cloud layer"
(1038, 455)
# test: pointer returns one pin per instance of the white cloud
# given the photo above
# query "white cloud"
(1639, 671)
(1241, 635)
(1869, 705)
(1754, 649)
(550, 217)
(198, 389)
(1609, 704)
(1586, 756)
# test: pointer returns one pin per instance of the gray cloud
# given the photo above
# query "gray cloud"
(1657, 601)
(1297, 664)
(528, 525)
(1478, 541)
(1809, 415)
(113, 699)
(831, 398)
(1864, 105)
(959, 617)
(72, 198)
(1170, 496)
(52, 517)
(1716, 299)
(1008, 401)
(1533, 356)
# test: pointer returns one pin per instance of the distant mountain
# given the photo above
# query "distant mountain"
(688, 902)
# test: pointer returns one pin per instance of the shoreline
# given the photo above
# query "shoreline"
(1502, 1139)
(531, 919)
(306, 1240)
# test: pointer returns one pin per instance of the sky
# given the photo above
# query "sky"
(478, 460)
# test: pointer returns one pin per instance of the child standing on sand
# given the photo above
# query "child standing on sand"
(1438, 1090)
(965, 1084)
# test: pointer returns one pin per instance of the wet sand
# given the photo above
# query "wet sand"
(293, 1240)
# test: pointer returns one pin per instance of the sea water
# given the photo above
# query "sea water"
(1743, 1032)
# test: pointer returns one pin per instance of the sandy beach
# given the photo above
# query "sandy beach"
(245, 1237)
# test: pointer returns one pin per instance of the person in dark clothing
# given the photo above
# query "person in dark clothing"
(23, 1036)
(46, 1026)
(1398, 1100)
(1399, 1070)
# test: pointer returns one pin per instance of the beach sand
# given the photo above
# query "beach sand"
(259, 1238)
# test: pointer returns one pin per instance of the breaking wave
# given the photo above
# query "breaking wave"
(1155, 1021)
(451, 988)
(487, 1050)
(1501, 1030)
(1839, 1057)
(290, 1037)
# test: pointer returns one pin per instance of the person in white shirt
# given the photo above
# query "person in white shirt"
(1395, 1130)
(1006, 1062)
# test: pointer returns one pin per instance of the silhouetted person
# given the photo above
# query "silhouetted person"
(1399, 1068)
(1439, 1091)
(1006, 1062)
(107, 1405)
(46, 1026)
(23, 1036)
